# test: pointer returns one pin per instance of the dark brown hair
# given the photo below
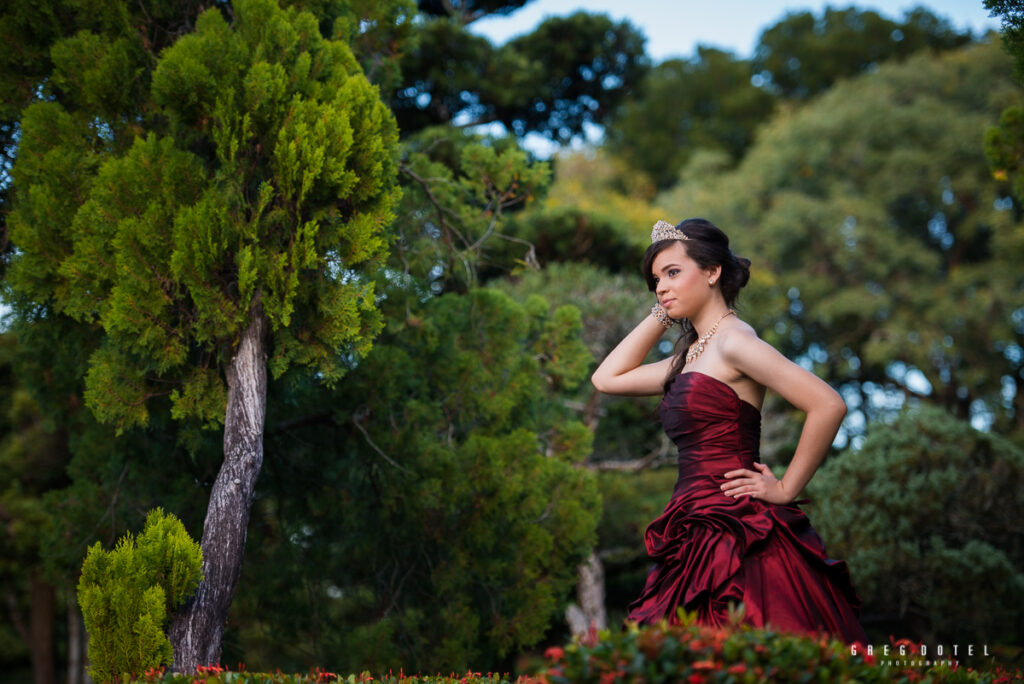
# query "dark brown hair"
(707, 246)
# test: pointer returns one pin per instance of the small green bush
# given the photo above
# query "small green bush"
(127, 595)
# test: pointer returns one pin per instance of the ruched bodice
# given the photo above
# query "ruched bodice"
(711, 549)
(714, 430)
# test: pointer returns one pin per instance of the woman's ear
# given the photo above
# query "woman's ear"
(713, 273)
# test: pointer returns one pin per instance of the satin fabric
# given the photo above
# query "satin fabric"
(711, 549)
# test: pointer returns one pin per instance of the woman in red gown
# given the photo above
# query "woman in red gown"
(732, 531)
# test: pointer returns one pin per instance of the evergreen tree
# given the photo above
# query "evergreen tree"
(230, 236)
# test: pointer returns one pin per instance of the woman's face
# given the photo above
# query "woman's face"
(680, 284)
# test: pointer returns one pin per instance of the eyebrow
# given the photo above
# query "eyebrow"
(668, 266)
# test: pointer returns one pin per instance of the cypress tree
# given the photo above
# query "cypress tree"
(232, 236)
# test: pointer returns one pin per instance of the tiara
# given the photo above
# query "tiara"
(663, 230)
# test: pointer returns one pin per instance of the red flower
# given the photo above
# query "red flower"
(705, 665)
(737, 669)
(555, 653)
(324, 675)
(695, 679)
(911, 646)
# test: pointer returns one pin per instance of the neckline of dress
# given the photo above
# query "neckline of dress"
(723, 383)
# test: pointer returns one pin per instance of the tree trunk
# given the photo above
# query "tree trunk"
(76, 644)
(40, 628)
(590, 613)
(198, 626)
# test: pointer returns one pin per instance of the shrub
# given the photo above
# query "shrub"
(127, 595)
(927, 514)
(218, 675)
(692, 653)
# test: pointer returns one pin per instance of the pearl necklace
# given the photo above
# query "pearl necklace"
(698, 347)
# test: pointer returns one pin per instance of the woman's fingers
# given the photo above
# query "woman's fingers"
(741, 486)
(747, 482)
(742, 471)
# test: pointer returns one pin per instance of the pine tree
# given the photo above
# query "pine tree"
(232, 236)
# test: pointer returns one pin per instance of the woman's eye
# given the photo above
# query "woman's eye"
(673, 271)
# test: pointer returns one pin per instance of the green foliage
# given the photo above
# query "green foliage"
(31, 464)
(1004, 144)
(571, 235)
(379, 31)
(580, 67)
(568, 72)
(803, 55)
(1012, 17)
(681, 106)
(460, 191)
(445, 527)
(629, 502)
(128, 594)
(927, 514)
(1003, 147)
(219, 675)
(270, 178)
(737, 653)
(467, 11)
(593, 213)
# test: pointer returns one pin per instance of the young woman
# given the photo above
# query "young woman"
(732, 531)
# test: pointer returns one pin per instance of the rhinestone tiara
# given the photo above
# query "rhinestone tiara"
(663, 230)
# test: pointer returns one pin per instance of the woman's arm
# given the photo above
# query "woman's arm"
(825, 410)
(621, 371)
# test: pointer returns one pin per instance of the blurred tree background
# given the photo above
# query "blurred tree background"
(430, 508)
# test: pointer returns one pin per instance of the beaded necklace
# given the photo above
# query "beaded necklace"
(697, 348)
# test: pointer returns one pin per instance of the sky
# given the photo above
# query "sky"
(674, 28)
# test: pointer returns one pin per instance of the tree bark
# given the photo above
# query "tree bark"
(76, 644)
(198, 627)
(590, 612)
(40, 629)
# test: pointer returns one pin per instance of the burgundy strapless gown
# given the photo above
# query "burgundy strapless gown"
(711, 549)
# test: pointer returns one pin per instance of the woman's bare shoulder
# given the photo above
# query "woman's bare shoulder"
(742, 348)
(739, 335)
